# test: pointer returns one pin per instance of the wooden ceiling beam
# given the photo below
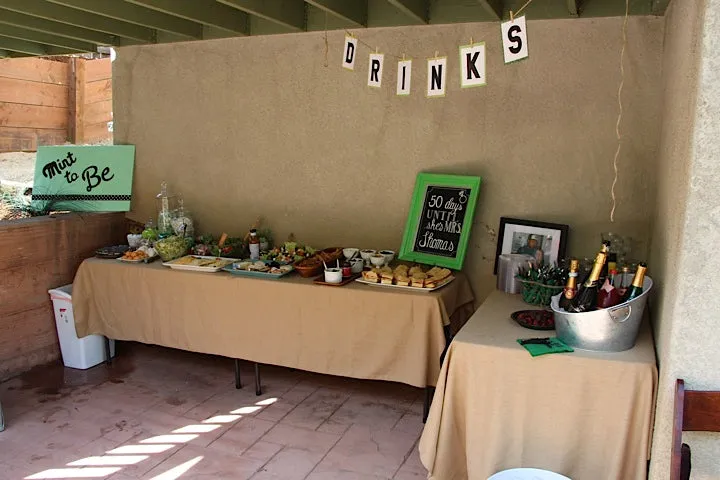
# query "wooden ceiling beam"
(206, 12)
(493, 7)
(79, 18)
(352, 11)
(56, 28)
(127, 12)
(288, 13)
(418, 10)
(22, 46)
(46, 39)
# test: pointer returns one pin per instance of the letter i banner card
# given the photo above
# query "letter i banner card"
(441, 214)
(84, 178)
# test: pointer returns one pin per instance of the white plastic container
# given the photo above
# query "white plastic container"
(80, 353)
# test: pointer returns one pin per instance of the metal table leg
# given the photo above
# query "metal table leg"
(108, 357)
(2, 419)
(429, 392)
(238, 383)
(258, 389)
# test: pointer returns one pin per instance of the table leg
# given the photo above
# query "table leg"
(2, 419)
(258, 389)
(238, 383)
(108, 357)
(429, 392)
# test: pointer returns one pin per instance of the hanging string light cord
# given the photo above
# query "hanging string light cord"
(515, 14)
(620, 111)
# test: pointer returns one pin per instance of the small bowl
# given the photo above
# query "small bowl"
(366, 254)
(389, 256)
(350, 252)
(134, 240)
(377, 259)
(333, 275)
(356, 265)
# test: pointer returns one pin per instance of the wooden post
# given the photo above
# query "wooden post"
(71, 101)
(79, 120)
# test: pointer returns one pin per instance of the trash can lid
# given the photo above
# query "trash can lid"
(64, 292)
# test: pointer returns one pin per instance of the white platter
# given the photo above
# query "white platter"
(195, 268)
(139, 260)
(404, 287)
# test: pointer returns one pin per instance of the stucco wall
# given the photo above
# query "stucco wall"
(259, 126)
(687, 227)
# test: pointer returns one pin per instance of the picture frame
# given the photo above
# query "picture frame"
(516, 236)
(437, 230)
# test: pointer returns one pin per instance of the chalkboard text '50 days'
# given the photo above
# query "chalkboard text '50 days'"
(89, 175)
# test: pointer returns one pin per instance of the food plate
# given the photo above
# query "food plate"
(534, 319)
(404, 287)
(113, 252)
(197, 263)
(140, 260)
(257, 274)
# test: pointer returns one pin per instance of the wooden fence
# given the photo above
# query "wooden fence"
(42, 253)
(53, 101)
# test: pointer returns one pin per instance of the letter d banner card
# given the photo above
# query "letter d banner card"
(441, 214)
(84, 178)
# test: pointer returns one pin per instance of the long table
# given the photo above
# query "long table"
(586, 415)
(355, 330)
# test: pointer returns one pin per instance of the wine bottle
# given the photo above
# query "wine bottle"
(608, 296)
(636, 287)
(570, 286)
(586, 299)
(606, 250)
(622, 289)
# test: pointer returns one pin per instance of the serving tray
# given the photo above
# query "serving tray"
(321, 280)
(195, 268)
(251, 273)
(403, 287)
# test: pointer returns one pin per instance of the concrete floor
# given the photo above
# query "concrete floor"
(164, 414)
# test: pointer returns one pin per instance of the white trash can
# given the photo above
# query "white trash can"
(80, 353)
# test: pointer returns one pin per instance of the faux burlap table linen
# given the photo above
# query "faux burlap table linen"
(355, 330)
(586, 415)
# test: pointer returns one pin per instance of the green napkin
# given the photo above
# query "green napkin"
(556, 346)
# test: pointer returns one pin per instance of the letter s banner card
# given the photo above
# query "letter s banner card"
(84, 178)
(514, 38)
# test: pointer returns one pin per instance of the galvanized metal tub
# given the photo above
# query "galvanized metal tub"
(613, 329)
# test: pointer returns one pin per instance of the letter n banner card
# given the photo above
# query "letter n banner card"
(84, 178)
(441, 214)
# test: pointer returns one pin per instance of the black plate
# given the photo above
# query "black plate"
(524, 317)
(115, 251)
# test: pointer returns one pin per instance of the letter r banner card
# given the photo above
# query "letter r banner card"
(514, 38)
(84, 178)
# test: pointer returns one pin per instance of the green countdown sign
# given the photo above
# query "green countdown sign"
(85, 178)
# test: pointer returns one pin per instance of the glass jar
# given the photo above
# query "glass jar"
(166, 205)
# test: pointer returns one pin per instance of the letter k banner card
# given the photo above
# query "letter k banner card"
(85, 178)
(441, 214)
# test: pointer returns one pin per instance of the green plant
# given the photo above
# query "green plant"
(541, 283)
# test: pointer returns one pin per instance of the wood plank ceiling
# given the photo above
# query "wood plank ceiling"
(56, 27)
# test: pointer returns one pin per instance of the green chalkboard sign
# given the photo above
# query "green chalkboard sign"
(85, 178)
(441, 214)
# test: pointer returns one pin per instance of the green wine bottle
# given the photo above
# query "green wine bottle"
(636, 288)
(586, 299)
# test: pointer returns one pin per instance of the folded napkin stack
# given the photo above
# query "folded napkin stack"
(542, 346)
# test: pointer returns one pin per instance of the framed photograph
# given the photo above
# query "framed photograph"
(542, 240)
(441, 214)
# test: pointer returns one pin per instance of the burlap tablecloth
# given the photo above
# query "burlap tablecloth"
(355, 330)
(586, 415)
